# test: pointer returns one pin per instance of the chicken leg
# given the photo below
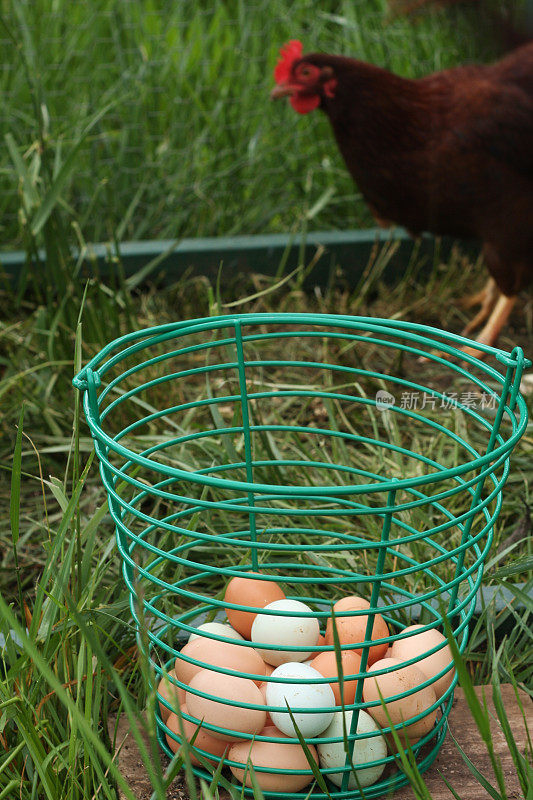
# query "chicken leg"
(486, 298)
(478, 298)
(491, 330)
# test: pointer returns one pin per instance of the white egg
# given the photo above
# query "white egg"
(286, 631)
(300, 695)
(333, 755)
(218, 629)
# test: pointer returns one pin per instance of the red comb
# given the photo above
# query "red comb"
(289, 53)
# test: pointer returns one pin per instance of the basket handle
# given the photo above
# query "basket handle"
(517, 361)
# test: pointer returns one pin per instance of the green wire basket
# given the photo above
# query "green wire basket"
(307, 447)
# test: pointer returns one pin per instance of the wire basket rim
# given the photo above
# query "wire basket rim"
(415, 333)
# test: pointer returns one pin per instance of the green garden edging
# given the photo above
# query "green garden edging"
(352, 250)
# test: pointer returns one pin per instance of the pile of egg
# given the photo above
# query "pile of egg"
(229, 730)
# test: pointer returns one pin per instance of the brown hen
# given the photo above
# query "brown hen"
(450, 154)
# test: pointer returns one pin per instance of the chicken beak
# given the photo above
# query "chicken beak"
(281, 90)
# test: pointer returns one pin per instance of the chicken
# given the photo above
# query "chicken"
(450, 153)
(509, 23)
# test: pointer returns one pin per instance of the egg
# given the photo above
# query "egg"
(249, 592)
(234, 718)
(416, 646)
(174, 695)
(263, 689)
(271, 730)
(326, 664)
(203, 740)
(320, 643)
(221, 629)
(294, 632)
(402, 679)
(332, 754)
(273, 755)
(226, 655)
(353, 629)
(300, 695)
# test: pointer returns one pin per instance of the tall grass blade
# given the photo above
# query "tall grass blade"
(309, 756)
(30, 194)
(406, 761)
(481, 717)
(450, 787)
(142, 274)
(9, 790)
(92, 740)
(489, 788)
(517, 757)
(519, 566)
(53, 194)
(14, 504)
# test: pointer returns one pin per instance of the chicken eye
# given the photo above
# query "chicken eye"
(306, 72)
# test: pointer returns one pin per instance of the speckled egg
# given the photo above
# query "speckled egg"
(417, 645)
(401, 679)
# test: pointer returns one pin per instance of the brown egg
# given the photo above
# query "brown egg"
(234, 718)
(403, 679)
(203, 740)
(250, 592)
(321, 640)
(416, 646)
(269, 669)
(277, 755)
(352, 629)
(218, 654)
(263, 689)
(174, 695)
(271, 730)
(326, 664)
(349, 602)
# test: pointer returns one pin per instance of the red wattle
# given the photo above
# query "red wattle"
(304, 103)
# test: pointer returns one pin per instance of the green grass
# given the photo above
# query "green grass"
(190, 143)
(80, 662)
